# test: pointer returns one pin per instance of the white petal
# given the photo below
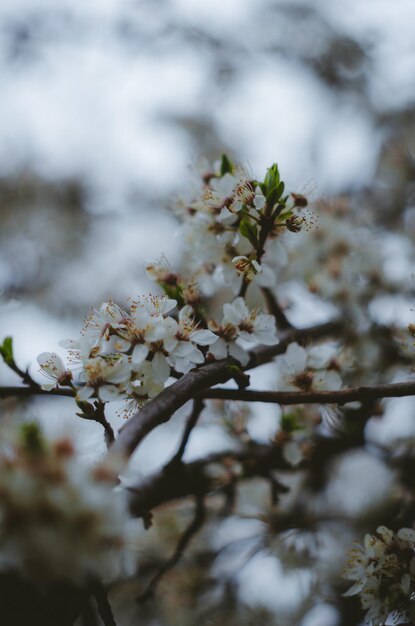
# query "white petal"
(320, 356)
(354, 589)
(183, 365)
(267, 277)
(224, 214)
(117, 344)
(406, 534)
(295, 358)
(119, 372)
(84, 393)
(197, 356)
(219, 349)
(51, 363)
(186, 313)
(139, 354)
(239, 306)
(238, 353)
(183, 349)
(161, 368)
(109, 393)
(168, 304)
(331, 380)
(203, 337)
(266, 338)
(68, 343)
(231, 314)
(259, 199)
(49, 386)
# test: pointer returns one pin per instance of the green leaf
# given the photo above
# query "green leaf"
(285, 215)
(274, 194)
(272, 177)
(226, 165)
(249, 230)
(6, 351)
(280, 190)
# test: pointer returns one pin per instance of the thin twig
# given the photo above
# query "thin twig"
(100, 417)
(275, 309)
(190, 424)
(341, 396)
(191, 530)
(23, 392)
(243, 289)
(104, 607)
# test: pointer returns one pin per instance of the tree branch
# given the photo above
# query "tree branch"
(104, 608)
(180, 480)
(275, 309)
(341, 396)
(191, 530)
(100, 417)
(24, 392)
(190, 424)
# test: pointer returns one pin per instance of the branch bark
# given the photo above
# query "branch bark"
(341, 396)
(25, 392)
(178, 480)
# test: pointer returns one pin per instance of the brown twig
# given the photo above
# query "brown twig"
(104, 608)
(100, 417)
(190, 424)
(275, 309)
(24, 392)
(341, 396)
(185, 539)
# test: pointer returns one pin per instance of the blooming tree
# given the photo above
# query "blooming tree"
(69, 538)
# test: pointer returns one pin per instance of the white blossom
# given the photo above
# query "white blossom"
(53, 368)
(304, 370)
(239, 323)
(105, 378)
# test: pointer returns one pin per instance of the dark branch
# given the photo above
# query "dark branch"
(180, 480)
(100, 417)
(341, 396)
(185, 539)
(101, 598)
(275, 309)
(24, 392)
(190, 424)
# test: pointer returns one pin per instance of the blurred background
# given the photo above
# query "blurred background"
(106, 104)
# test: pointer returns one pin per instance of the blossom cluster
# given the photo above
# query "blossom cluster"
(131, 354)
(341, 260)
(58, 518)
(383, 571)
(234, 226)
